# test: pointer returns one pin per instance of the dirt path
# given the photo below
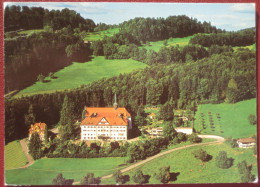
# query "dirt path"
(218, 138)
(26, 152)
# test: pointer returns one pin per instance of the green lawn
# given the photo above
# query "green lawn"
(44, 170)
(83, 73)
(14, 156)
(93, 36)
(191, 170)
(170, 42)
(227, 119)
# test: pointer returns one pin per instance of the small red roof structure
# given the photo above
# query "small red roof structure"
(246, 140)
(38, 128)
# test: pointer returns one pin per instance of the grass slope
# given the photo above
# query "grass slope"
(188, 169)
(232, 120)
(94, 36)
(43, 171)
(83, 73)
(170, 42)
(31, 31)
(14, 156)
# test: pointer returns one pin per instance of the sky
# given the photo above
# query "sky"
(228, 16)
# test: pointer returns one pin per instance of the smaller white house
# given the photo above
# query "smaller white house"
(246, 142)
(185, 130)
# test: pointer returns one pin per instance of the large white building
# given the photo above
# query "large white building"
(112, 123)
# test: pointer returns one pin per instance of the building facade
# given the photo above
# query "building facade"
(246, 142)
(107, 122)
(185, 130)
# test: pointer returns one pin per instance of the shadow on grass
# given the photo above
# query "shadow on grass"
(45, 81)
(126, 178)
(173, 176)
(147, 177)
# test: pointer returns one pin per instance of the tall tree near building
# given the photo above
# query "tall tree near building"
(29, 118)
(66, 119)
(35, 145)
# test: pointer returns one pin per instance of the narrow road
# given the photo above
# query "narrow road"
(26, 152)
(218, 138)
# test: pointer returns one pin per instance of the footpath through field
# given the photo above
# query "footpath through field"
(26, 152)
(218, 138)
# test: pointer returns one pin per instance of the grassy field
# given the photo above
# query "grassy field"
(170, 42)
(44, 170)
(190, 170)
(83, 73)
(93, 36)
(30, 31)
(14, 156)
(250, 47)
(226, 119)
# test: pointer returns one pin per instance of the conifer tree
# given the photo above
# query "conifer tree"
(66, 119)
(29, 118)
(35, 146)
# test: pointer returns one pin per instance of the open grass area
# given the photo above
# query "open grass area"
(30, 31)
(250, 47)
(94, 36)
(170, 42)
(188, 169)
(43, 171)
(78, 74)
(14, 156)
(226, 119)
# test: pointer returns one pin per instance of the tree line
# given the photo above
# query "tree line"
(239, 38)
(153, 29)
(228, 77)
(16, 17)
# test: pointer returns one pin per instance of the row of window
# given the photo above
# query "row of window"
(121, 127)
(115, 138)
(104, 130)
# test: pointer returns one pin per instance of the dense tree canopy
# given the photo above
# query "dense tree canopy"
(16, 17)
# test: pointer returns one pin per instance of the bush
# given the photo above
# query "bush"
(245, 172)
(139, 177)
(193, 138)
(163, 174)
(89, 179)
(201, 154)
(59, 180)
(222, 161)
(252, 119)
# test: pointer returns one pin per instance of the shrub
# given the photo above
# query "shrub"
(252, 119)
(222, 161)
(201, 154)
(163, 174)
(245, 171)
(59, 180)
(139, 177)
(193, 138)
(89, 179)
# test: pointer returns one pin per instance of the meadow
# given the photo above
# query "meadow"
(27, 32)
(43, 171)
(188, 169)
(170, 42)
(79, 74)
(94, 36)
(14, 156)
(226, 119)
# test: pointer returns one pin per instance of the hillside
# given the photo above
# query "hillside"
(227, 119)
(79, 74)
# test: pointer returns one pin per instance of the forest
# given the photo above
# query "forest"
(176, 78)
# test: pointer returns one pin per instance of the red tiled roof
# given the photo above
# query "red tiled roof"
(246, 140)
(112, 116)
(41, 126)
